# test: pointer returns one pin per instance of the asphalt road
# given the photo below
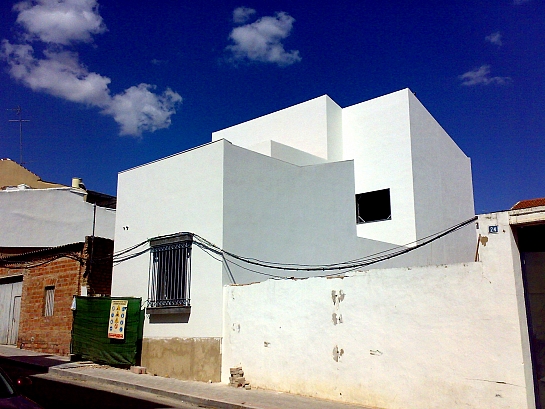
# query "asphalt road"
(51, 392)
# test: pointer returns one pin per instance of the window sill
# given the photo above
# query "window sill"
(373, 221)
(168, 310)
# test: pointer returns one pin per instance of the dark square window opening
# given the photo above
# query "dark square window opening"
(170, 273)
(373, 206)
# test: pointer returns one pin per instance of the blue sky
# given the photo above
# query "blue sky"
(108, 85)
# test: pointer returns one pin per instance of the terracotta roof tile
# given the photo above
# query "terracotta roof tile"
(525, 204)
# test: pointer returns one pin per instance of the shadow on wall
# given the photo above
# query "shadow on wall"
(182, 318)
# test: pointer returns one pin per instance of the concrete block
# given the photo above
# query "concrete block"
(138, 369)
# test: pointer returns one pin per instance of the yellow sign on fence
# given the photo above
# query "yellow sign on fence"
(117, 319)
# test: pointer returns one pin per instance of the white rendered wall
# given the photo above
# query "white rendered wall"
(280, 212)
(286, 153)
(443, 190)
(429, 337)
(376, 135)
(277, 211)
(388, 138)
(266, 207)
(312, 126)
(249, 204)
(50, 217)
(335, 147)
(181, 193)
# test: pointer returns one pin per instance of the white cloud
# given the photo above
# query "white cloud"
(481, 76)
(261, 41)
(60, 73)
(137, 109)
(242, 14)
(60, 22)
(494, 38)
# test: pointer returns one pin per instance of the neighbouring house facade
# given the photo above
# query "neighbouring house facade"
(308, 186)
(39, 287)
(527, 221)
(56, 241)
(13, 174)
(39, 218)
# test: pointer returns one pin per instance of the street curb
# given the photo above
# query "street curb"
(197, 400)
(24, 363)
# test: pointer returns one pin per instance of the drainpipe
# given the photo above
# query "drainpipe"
(93, 239)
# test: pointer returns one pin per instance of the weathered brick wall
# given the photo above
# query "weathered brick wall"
(37, 332)
(67, 273)
(49, 334)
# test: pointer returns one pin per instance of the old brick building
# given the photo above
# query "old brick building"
(48, 280)
(47, 256)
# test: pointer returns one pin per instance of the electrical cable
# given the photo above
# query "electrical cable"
(20, 264)
(205, 245)
(120, 252)
(362, 262)
(224, 261)
(129, 257)
(113, 256)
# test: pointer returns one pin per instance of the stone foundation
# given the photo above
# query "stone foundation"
(196, 359)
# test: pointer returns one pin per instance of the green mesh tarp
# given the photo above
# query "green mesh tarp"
(90, 331)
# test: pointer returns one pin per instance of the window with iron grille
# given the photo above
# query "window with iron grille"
(49, 301)
(170, 271)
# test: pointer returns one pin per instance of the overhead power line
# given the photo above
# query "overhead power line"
(208, 247)
(338, 267)
(14, 264)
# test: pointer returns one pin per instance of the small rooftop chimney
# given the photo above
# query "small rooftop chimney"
(77, 183)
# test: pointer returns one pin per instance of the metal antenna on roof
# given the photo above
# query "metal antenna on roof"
(18, 111)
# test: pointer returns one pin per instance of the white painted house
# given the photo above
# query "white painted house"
(36, 214)
(33, 219)
(314, 184)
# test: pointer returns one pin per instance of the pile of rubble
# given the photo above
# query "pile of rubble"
(237, 378)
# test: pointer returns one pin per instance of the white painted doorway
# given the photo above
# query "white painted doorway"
(11, 290)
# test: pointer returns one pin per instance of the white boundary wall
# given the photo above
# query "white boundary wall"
(451, 336)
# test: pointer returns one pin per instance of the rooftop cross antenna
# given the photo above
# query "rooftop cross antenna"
(18, 112)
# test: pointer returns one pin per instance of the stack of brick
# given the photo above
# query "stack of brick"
(237, 378)
(98, 270)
